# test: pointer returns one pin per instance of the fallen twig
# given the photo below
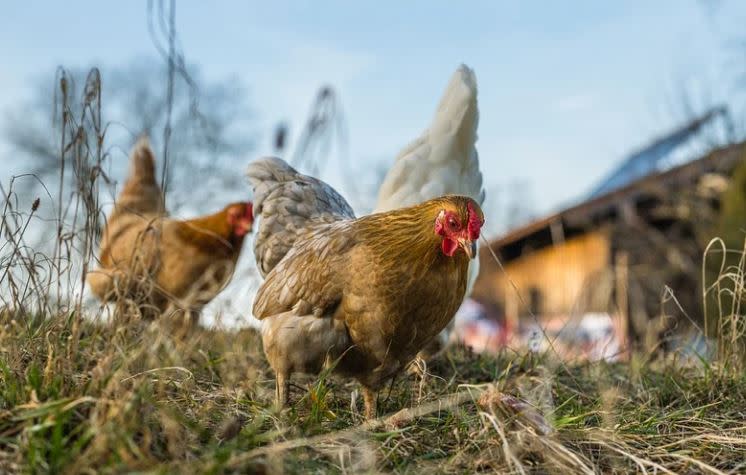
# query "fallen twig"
(396, 420)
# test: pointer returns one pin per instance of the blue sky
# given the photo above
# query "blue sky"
(566, 88)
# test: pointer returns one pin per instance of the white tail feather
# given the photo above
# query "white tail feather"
(444, 159)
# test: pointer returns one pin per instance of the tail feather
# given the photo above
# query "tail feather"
(265, 175)
(287, 202)
(142, 162)
(141, 193)
(458, 107)
(444, 159)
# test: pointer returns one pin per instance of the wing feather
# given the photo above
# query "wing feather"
(310, 279)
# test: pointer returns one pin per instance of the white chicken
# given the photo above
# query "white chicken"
(443, 160)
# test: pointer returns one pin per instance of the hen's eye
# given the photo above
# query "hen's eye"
(452, 223)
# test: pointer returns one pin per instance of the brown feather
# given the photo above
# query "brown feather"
(213, 231)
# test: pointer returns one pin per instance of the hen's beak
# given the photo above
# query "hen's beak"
(469, 247)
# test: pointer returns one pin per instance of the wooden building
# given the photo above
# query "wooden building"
(616, 251)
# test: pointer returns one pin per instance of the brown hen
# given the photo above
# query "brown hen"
(366, 293)
(165, 265)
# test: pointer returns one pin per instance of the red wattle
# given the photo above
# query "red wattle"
(449, 247)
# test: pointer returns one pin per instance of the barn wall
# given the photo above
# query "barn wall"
(551, 278)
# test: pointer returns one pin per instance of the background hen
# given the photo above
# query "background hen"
(159, 263)
(369, 292)
(443, 160)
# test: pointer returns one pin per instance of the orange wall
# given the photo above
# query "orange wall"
(560, 273)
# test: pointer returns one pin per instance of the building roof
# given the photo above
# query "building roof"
(600, 206)
(659, 155)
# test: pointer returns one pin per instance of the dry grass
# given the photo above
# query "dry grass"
(133, 397)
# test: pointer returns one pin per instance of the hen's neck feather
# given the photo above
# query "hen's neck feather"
(406, 238)
(210, 231)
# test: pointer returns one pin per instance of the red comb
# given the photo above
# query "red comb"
(475, 223)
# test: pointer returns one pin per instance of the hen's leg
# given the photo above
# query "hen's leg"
(370, 397)
(281, 389)
(188, 322)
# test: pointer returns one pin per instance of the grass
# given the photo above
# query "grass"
(82, 397)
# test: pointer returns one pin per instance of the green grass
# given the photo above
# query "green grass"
(77, 396)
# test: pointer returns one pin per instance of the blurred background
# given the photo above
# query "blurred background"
(577, 100)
